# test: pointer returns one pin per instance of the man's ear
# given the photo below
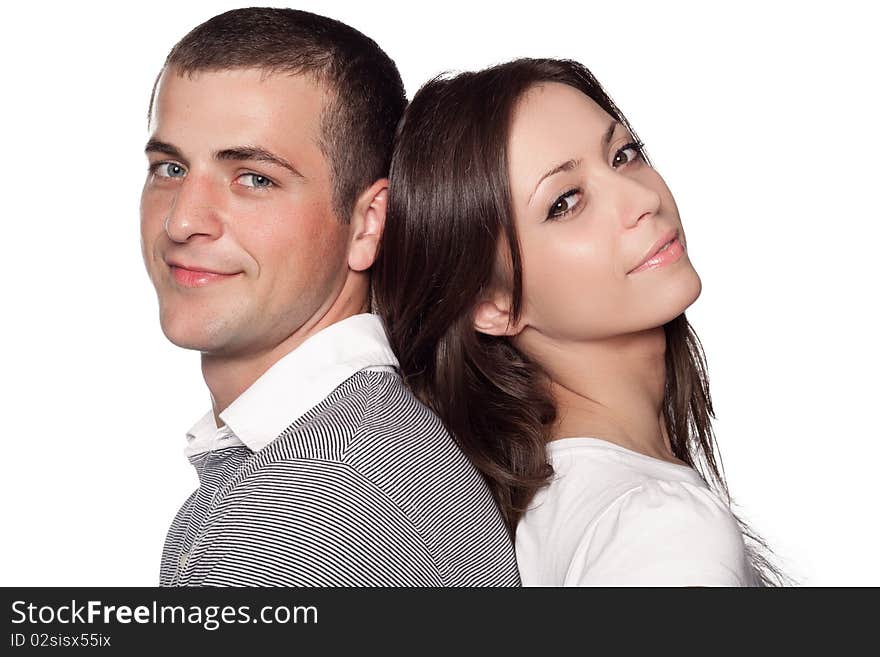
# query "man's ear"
(367, 223)
(492, 316)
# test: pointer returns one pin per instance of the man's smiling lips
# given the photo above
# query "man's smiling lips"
(197, 276)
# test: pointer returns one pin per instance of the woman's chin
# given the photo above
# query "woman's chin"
(672, 300)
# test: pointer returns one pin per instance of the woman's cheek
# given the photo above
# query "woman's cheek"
(562, 290)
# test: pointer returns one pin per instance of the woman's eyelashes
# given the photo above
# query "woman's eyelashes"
(636, 148)
(565, 204)
(571, 200)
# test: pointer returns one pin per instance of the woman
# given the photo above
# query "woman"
(533, 278)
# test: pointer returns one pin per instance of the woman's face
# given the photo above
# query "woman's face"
(591, 216)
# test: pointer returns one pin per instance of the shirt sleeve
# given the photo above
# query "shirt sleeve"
(662, 533)
(304, 523)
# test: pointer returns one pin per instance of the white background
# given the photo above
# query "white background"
(760, 116)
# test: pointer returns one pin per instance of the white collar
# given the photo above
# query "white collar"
(296, 383)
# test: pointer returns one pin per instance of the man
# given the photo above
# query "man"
(271, 136)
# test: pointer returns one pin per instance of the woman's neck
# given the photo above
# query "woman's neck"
(611, 389)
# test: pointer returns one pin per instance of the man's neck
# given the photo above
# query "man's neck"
(229, 375)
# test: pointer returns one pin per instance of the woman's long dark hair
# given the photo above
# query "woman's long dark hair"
(448, 209)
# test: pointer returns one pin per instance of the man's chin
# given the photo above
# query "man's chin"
(193, 343)
(205, 336)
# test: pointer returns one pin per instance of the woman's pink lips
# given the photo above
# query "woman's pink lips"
(195, 278)
(666, 256)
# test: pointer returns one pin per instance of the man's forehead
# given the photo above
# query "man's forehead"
(258, 74)
(239, 98)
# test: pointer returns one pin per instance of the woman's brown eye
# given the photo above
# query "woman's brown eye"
(620, 158)
(564, 204)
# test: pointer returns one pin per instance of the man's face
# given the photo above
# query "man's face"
(238, 232)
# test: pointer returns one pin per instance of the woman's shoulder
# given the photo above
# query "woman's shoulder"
(662, 532)
(590, 472)
(611, 518)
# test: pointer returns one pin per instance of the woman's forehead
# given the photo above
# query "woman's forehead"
(552, 107)
(553, 123)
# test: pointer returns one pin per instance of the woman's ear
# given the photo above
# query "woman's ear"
(367, 223)
(492, 316)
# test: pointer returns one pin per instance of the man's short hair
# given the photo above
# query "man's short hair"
(366, 95)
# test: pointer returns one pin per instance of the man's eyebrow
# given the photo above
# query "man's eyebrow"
(156, 146)
(256, 154)
(568, 165)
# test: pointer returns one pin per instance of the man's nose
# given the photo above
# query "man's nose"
(194, 211)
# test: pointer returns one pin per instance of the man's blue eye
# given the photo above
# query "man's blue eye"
(169, 170)
(256, 180)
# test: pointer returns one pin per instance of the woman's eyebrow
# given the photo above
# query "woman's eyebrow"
(609, 133)
(568, 165)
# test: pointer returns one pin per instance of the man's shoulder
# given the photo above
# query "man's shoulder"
(394, 417)
(398, 433)
(374, 425)
(375, 465)
(366, 414)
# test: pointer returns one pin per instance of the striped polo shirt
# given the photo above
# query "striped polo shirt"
(327, 471)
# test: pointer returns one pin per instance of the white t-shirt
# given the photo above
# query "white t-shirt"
(614, 517)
